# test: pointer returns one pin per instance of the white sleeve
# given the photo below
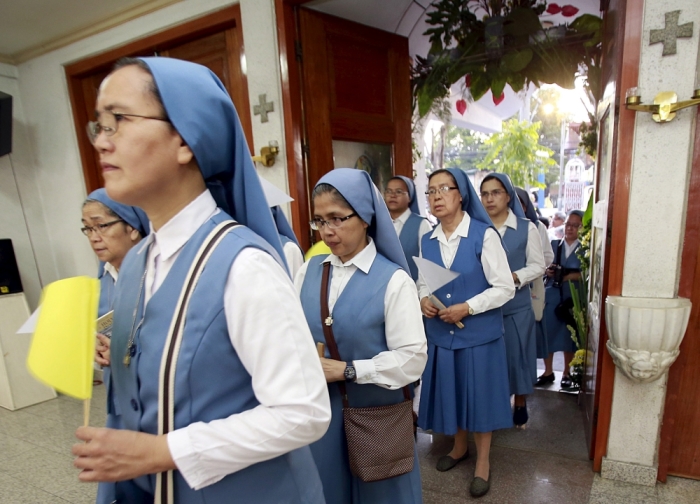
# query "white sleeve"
(269, 332)
(405, 360)
(421, 285)
(546, 245)
(294, 257)
(534, 266)
(495, 264)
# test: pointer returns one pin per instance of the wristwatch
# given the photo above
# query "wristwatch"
(350, 374)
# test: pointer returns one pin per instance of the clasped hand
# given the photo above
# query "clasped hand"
(333, 369)
(451, 314)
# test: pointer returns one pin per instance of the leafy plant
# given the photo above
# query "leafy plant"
(514, 152)
(508, 45)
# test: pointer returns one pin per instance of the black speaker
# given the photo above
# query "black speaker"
(10, 282)
(5, 123)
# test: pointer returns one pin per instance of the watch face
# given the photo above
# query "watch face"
(350, 373)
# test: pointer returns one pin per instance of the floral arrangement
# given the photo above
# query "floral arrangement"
(487, 44)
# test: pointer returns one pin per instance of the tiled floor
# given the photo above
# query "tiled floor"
(545, 463)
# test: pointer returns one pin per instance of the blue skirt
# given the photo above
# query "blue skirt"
(466, 389)
(558, 335)
(541, 333)
(521, 350)
(330, 453)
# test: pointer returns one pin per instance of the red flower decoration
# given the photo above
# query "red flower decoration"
(468, 80)
(461, 106)
(569, 10)
(498, 100)
(554, 8)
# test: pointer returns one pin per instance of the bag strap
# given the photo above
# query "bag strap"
(327, 324)
(166, 390)
(561, 289)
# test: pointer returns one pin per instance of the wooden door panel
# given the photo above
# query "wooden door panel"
(215, 41)
(356, 88)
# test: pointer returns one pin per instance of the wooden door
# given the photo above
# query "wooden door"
(215, 41)
(356, 98)
(679, 449)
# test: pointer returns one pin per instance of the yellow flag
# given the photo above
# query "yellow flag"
(317, 248)
(63, 346)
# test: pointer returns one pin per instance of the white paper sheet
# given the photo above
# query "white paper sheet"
(30, 325)
(435, 276)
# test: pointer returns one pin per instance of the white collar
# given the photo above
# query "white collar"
(461, 231)
(511, 220)
(108, 268)
(404, 216)
(173, 235)
(363, 260)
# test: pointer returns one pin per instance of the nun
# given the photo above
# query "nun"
(290, 245)
(212, 361)
(113, 229)
(410, 226)
(376, 324)
(465, 383)
(566, 267)
(524, 250)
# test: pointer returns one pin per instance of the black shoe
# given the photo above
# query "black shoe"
(566, 382)
(479, 487)
(446, 463)
(520, 416)
(544, 379)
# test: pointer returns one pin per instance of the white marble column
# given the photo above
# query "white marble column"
(658, 191)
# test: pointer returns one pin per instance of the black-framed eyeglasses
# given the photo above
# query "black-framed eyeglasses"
(109, 124)
(332, 223)
(397, 192)
(98, 228)
(442, 190)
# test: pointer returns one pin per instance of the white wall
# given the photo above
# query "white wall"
(48, 159)
(19, 196)
(658, 192)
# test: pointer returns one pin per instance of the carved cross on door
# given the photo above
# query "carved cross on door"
(671, 33)
(264, 107)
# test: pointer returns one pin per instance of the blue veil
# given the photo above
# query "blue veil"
(470, 200)
(133, 216)
(202, 112)
(530, 211)
(283, 226)
(514, 203)
(357, 188)
(412, 200)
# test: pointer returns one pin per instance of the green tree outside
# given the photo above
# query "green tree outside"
(517, 152)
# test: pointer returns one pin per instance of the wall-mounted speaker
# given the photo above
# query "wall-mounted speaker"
(10, 282)
(5, 123)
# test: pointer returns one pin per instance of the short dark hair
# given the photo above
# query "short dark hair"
(108, 210)
(336, 197)
(493, 177)
(400, 180)
(446, 172)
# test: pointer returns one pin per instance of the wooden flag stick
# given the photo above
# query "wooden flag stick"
(441, 306)
(321, 349)
(86, 412)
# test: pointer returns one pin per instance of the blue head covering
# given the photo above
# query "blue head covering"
(412, 200)
(202, 112)
(133, 216)
(530, 211)
(514, 203)
(357, 188)
(470, 200)
(283, 226)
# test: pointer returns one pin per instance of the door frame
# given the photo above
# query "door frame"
(226, 18)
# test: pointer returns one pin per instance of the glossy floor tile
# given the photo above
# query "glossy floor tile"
(545, 463)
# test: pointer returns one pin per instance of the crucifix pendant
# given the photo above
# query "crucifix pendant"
(328, 321)
(127, 360)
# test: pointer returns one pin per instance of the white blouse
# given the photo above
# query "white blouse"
(534, 265)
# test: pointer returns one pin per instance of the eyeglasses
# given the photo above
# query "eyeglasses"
(442, 190)
(495, 193)
(109, 124)
(98, 228)
(397, 192)
(332, 223)
(573, 226)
